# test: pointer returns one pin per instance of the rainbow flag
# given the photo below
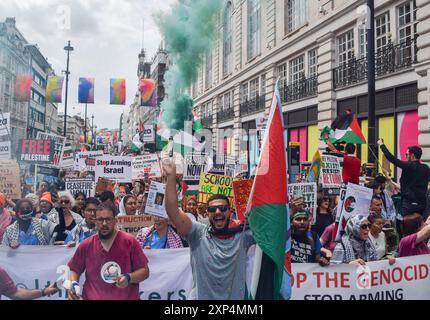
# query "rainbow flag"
(86, 90)
(315, 168)
(117, 91)
(148, 93)
(54, 88)
(268, 214)
(22, 87)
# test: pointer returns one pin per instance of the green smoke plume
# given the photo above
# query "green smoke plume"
(189, 31)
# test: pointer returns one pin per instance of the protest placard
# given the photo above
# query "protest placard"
(307, 191)
(68, 158)
(145, 165)
(5, 150)
(59, 143)
(215, 184)
(104, 184)
(36, 151)
(86, 160)
(5, 124)
(45, 171)
(194, 165)
(155, 203)
(241, 191)
(132, 224)
(354, 200)
(85, 185)
(330, 175)
(148, 134)
(10, 183)
(116, 168)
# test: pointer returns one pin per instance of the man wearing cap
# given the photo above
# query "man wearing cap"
(305, 244)
(5, 217)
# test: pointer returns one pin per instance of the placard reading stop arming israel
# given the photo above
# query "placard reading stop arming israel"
(116, 168)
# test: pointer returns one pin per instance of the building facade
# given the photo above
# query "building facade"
(75, 129)
(317, 50)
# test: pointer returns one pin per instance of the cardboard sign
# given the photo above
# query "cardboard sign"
(215, 184)
(116, 168)
(81, 162)
(10, 183)
(104, 184)
(308, 191)
(59, 143)
(5, 150)
(36, 151)
(241, 190)
(194, 164)
(5, 124)
(331, 175)
(155, 205)
(146, 164)
(85, 185)
(132, 224)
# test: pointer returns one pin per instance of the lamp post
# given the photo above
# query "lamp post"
(92, 130)
(67, 48)
(85, 125)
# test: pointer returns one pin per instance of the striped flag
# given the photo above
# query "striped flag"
(315, 168)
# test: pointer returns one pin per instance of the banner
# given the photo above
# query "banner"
(215, 184)
(146, 164)
(22, 87)
(155, 204)
(5, 124)
(148, 92)
(241, 191)
(116, 168)
(86, 90)
(148, 134)
(35, 267)
(46, 171)
(132, 224)
(307, 191)
(194, 164)
(330, 175)
(68, 158)
(85, 185)
(10, 182)
(5, 150)
(54, 88)
(86, 160)
(59, 143)
(117, 91)
(36, 151)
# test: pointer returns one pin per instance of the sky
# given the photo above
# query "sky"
(107, 36)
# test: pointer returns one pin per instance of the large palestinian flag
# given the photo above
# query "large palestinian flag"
(345, 129)
(268, 214)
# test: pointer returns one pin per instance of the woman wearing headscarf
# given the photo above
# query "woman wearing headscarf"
(28, 230)
(127, 206)
(189, 206)
(355, 246)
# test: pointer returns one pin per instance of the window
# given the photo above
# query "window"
(227, 47)
(208, 79)
(38, 79)
(313, 63)
(282, 74)
(263, 85)
(295, 14)
(382, 27)
(345, 47)
(253, 88)
(407, 14)
(243, 92)
(37, 97)
(362, 38)
(297, 69)
(226, 101)
(254, 28)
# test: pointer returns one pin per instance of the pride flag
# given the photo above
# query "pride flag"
(315, 168)
(117, 91)
(148, 92)
(54, 88)
(22, 87)
(86, 90)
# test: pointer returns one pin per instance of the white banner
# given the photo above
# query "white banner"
(146, 164)
(5, 124)
(115, 168)
(407, 279)
(331, 174)
(85, 185)
(34, 266)
(86, 160)
(148, 134)
(5, 150)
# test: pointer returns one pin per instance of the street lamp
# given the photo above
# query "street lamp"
(67, 48)
(92, 130)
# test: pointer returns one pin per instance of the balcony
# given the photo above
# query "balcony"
(298, 90)
(390, 59)
(253, 106)
(207, 121)
(225, 115)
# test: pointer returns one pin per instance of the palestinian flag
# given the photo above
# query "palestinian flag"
(197, 123)
(345, 129)
(268, 215)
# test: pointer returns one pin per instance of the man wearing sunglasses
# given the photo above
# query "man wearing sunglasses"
(218, 251)
(113, 262)
(414, 180)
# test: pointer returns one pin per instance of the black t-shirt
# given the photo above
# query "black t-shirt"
(304, 247)
(322, 222)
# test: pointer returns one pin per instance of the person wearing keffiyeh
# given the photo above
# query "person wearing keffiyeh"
(160, 236)
(355, 246)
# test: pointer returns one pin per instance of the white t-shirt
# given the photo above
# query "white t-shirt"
(380, 244)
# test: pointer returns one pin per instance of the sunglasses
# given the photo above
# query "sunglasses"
(102, 220)
(365, 226)
(64, 201)
(221, 208)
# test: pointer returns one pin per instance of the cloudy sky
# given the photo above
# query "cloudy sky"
(106, 36)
